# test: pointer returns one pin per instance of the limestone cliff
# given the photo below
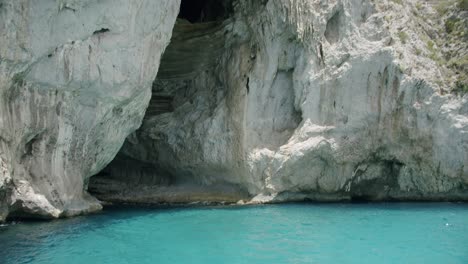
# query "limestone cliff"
(290, 100)
(254, 99)
(75, 80)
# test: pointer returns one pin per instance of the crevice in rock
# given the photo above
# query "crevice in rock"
(69, 8)
(30, 145)
(100, 31)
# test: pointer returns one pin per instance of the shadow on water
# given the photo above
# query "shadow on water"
(17, 238)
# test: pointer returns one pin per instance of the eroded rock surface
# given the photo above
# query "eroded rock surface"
(75, 80)
(322, 100)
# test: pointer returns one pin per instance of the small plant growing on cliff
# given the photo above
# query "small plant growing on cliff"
(443, 6)
(403, 36)
(450, 25)
(419, 6)
(463, 5)
(433, 52)
(460, 88)
(418, 51)
(459, 63)
(430, 46)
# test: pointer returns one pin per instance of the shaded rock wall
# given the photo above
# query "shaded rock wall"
(75, 80)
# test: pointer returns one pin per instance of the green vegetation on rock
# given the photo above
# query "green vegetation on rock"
(460, 88)
(463, 4)
(450, 25)
(403, 36)
(443, 6)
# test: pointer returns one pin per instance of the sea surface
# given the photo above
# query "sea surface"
(289, 233)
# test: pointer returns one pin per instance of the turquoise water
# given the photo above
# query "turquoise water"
(292, 233)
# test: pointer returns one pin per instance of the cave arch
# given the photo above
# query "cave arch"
(187, 72)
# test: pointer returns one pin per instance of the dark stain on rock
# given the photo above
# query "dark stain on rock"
(58, 108)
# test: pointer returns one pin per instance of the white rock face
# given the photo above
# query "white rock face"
(255, 100)
(75, 80)
(309, 99)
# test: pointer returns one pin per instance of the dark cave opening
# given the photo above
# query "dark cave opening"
(143, 170)
(203, 24)
(198, 11)
(200, 24)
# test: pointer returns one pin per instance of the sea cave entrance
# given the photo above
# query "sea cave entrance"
(186, 72)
